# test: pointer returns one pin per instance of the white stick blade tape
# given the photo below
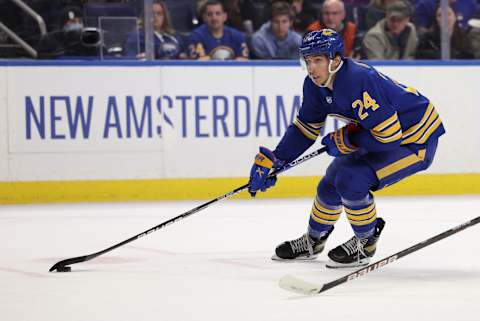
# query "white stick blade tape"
(293, 284)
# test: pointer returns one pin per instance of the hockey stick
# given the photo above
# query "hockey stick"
(62, 266)
(293, 284)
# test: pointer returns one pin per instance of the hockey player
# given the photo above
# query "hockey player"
(392, 133)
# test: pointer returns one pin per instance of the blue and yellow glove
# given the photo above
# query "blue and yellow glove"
(338, 142)
(265, 160)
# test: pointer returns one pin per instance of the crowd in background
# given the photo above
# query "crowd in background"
(259, 29)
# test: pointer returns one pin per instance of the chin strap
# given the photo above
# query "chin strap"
(331, 72)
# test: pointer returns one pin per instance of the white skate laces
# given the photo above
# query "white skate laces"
(355, 245)
(302, 244)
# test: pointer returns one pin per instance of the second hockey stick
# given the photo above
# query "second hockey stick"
(294, 284)
(63, 266)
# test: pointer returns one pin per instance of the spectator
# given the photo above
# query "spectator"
(429, 46)
(71, 40)
(167, 43)
(393, 37)
(474, 35)
(234, 12)
(425, 13)
(260, 12)
(305, 14)
(214, 40)
(375, 12)
(252, 13)
(276, 39)
(333, 17)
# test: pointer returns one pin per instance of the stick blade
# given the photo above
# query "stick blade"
(296, 285)
(70, 261)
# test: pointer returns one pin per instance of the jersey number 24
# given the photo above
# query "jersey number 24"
(367, 103)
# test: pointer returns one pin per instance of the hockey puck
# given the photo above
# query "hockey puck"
(64, 269)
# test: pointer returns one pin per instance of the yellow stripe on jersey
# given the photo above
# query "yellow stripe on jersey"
(429, 131)
(317, 126)
(395, 127)
(380, 127)
(310, 130)
(392, 138)
(401, 164)
(420, 132)
(414, 128)
(312, 127)
(388, 131)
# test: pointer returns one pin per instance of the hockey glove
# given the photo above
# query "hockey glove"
(265, 161)
(338, 142)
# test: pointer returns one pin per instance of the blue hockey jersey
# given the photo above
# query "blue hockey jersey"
(203, 45)
(388, 113)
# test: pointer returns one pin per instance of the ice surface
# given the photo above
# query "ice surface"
(215, 265)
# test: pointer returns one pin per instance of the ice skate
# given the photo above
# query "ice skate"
(303, 248)
(356, 251)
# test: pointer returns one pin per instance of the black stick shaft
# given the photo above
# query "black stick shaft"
(396, 256)
(84, 258)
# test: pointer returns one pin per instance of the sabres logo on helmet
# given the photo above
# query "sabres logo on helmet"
(322, 42)
(327, 32)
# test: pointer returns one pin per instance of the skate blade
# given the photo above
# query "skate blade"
(335, 265)
(300, 258)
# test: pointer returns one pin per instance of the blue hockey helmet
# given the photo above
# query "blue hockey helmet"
(322, 42)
